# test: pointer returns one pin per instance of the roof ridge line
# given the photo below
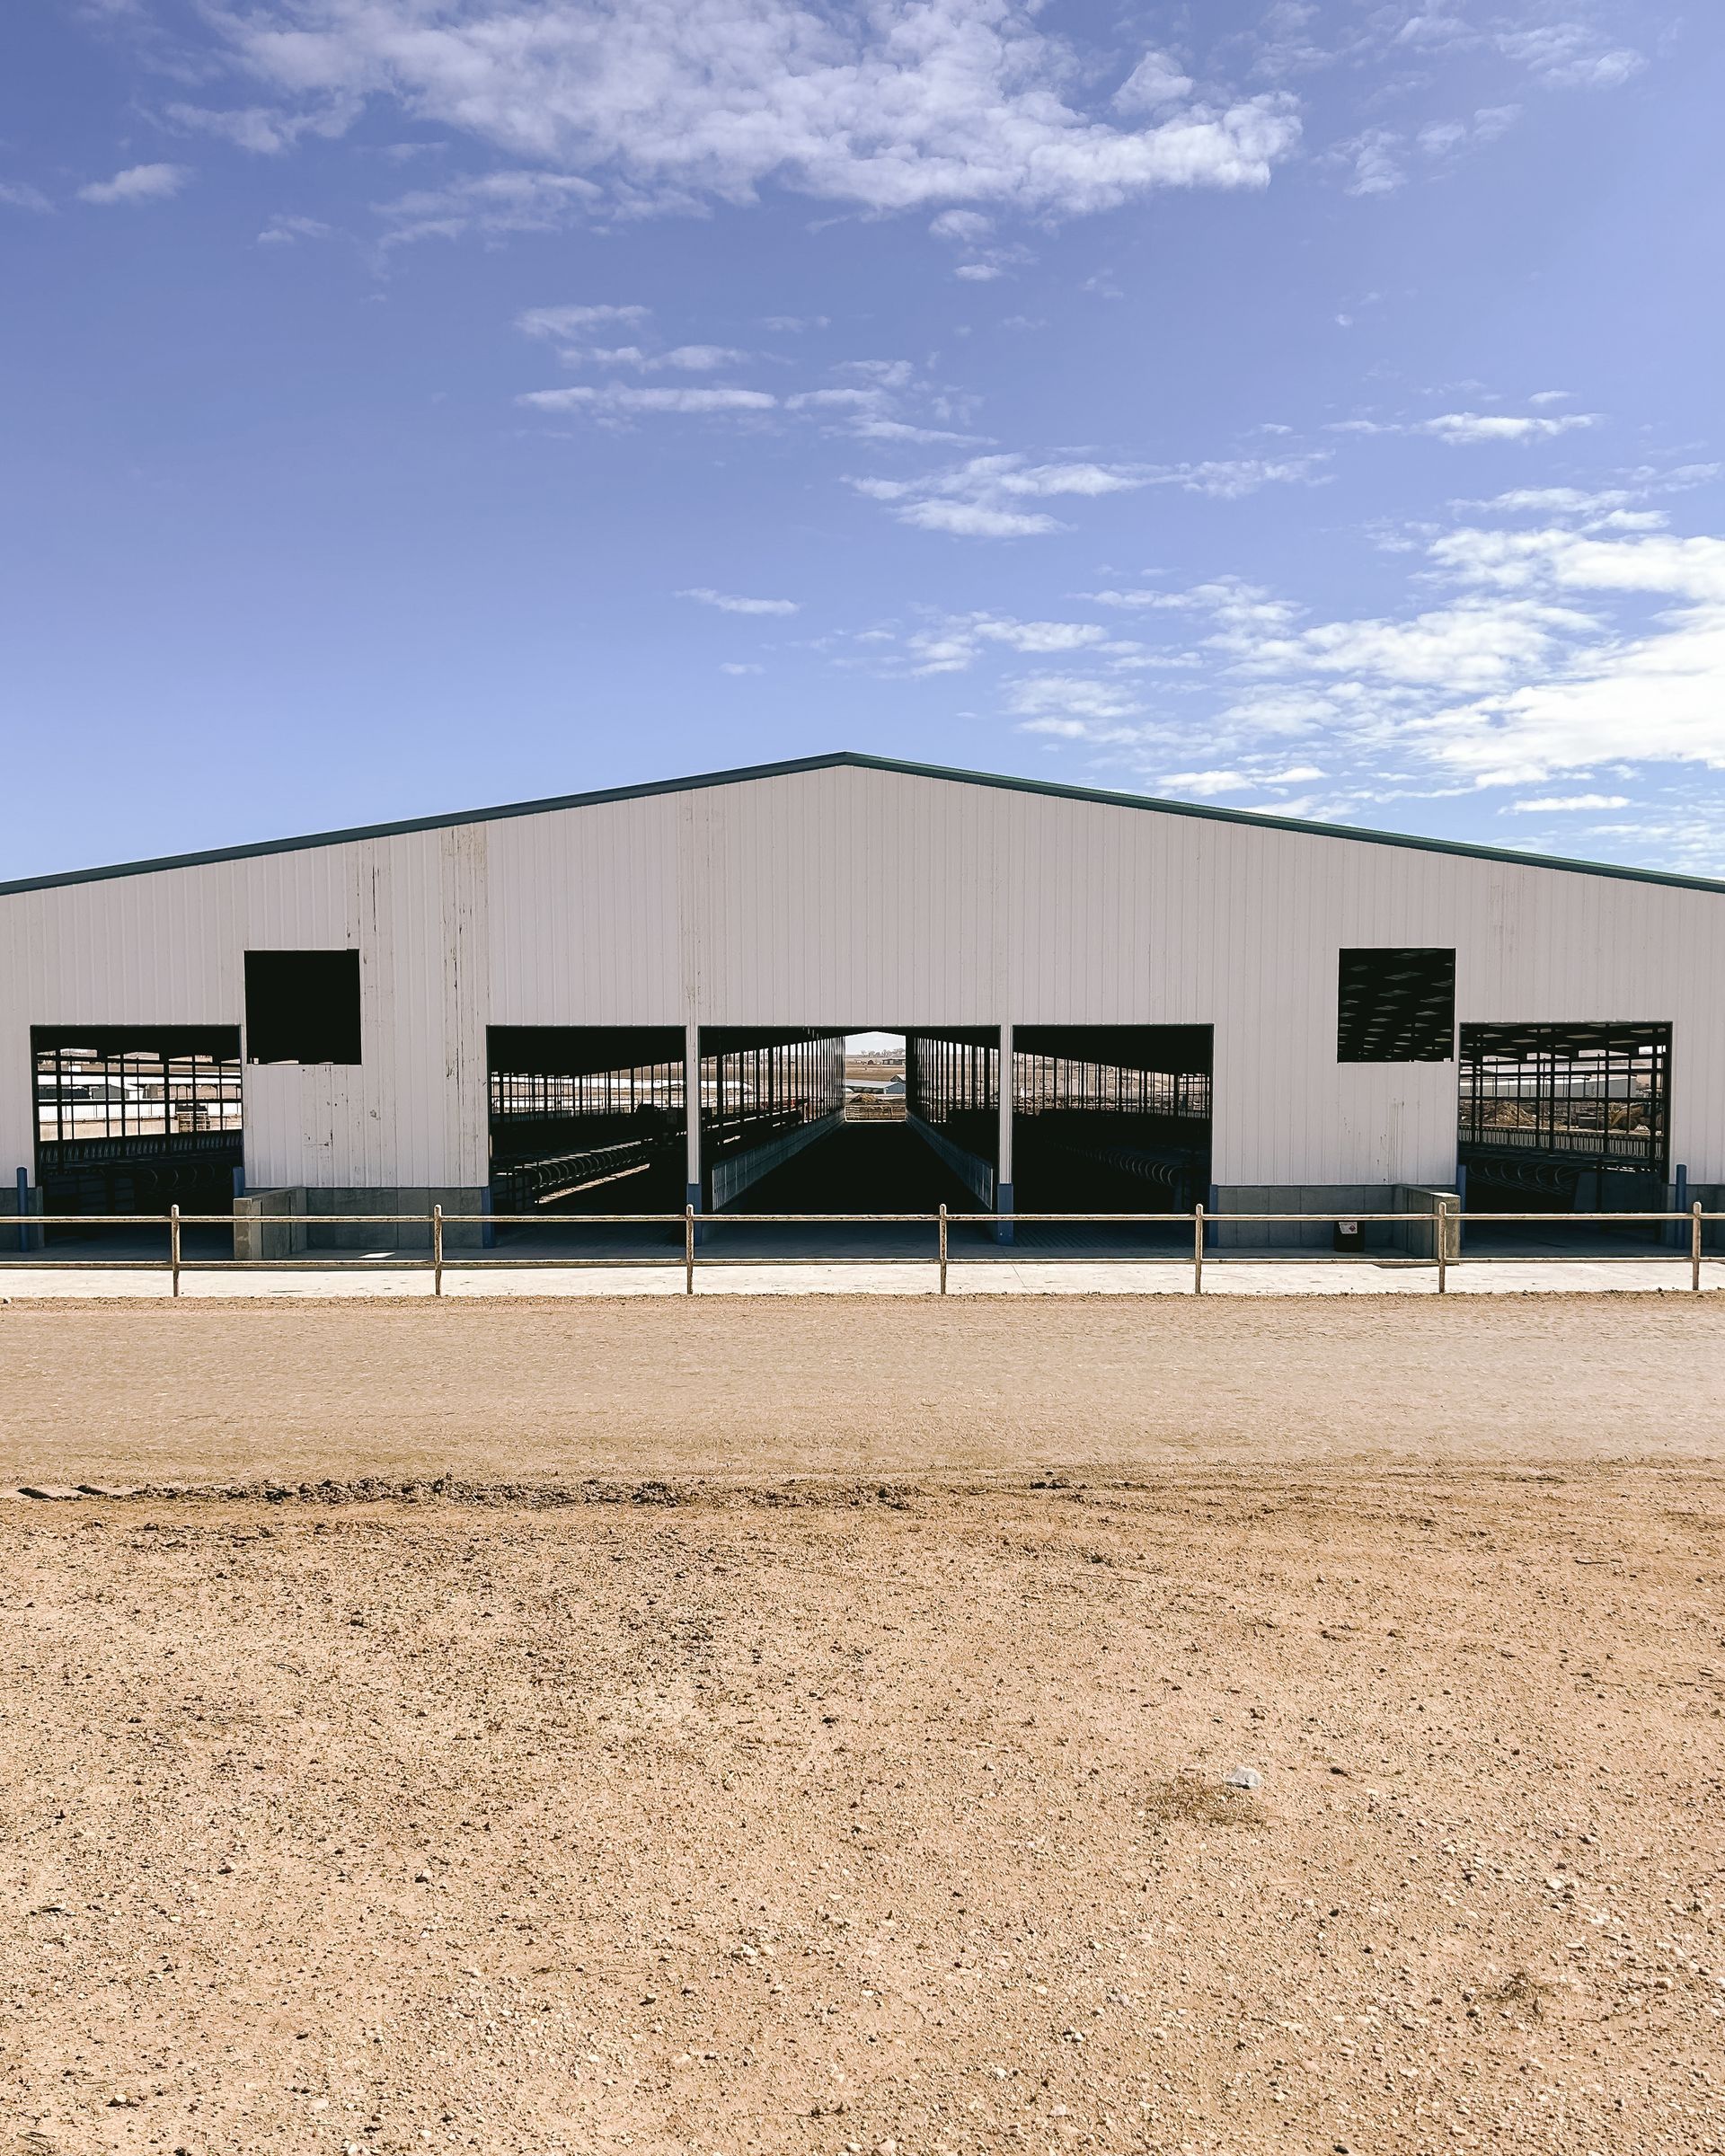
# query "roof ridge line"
(743, 775)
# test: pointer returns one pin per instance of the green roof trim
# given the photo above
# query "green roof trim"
(1253, 818)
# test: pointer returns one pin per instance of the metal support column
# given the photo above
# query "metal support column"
(1003, 1144)
(692, 1115)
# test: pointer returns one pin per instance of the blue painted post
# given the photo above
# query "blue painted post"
(487, 1233)
(239, 1182)
(1461, 1194)
(23, 1209)
(1679, 1233)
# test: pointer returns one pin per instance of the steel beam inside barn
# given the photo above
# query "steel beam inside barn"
(547, 1005)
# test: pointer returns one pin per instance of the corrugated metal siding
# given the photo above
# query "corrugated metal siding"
(850, 896)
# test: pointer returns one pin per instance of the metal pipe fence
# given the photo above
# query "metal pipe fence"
(1438, 1223)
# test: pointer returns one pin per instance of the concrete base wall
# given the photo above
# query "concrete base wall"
(733, 1175)
(1415, 1238)
(289, 1222)
(975, 1173)
(1418, 1238)
(269, 1224)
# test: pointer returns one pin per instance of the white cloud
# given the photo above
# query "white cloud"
(699, 358)
(18, 194)
(283, 231)
(982, 498)
(1463, 427)
(571, 322)
(1571, 56)
(1687, 569)
(729, 602)
(1444, 139)
(493, 203)
(137, 184)
(741, 666)
(1157, 599)
(683, 358)
(1565, 650)
(614, 397)
(675, 103)
(1559, 501)
(1052, 700)
(1565, 804)
(1474, 644)
(267, 129)
(959, 642)
(1156, 83)
(1207, 784)
(965, 227)
(1376, 159)
(867, 428)
(1228, 478)
(974, 519)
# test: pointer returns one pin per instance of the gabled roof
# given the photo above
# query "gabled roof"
(841, 759)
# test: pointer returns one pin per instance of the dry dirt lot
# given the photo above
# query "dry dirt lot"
(668, 1784)
(233, 1393)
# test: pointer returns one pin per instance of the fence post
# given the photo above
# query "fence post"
(173, 1245)
(942, 1249)
(1198, 1249)
(1694, 1246)
(1440, 1229)
(436, 1250)
(688, 1250)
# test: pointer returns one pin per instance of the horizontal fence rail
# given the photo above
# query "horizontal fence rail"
(1198, 1223)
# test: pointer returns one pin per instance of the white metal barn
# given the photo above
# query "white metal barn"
(1106, 1001)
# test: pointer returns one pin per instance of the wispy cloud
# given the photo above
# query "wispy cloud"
(729, 602)
(492, 204)
(621, 398)
(1376, 158)
(18, 194)
(956, 645)
(1571, 56)
(283, 231)
(137, 184)
(1062, 703)
(989, 496)
(681, 358)
(1565, 804)
(1207, 784)
(575, 321)
(268, 130)
(1228, 478)
(984, 497)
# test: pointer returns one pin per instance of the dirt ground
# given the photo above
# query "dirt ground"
(826, 1752)
(233, 1393)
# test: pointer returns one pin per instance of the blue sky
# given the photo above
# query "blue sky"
(417, 404)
